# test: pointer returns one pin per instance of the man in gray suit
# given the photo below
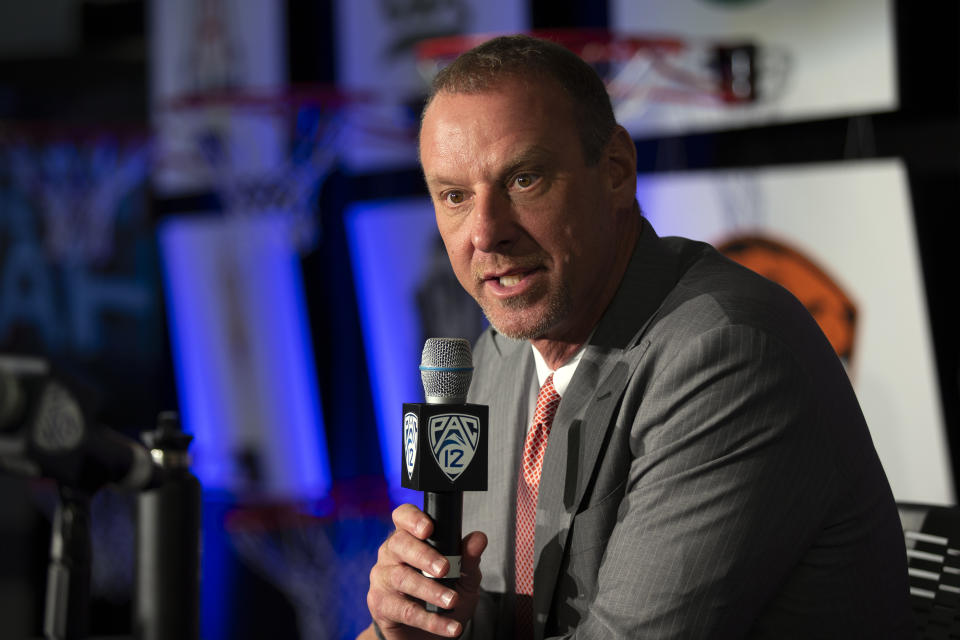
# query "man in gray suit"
(708, 472)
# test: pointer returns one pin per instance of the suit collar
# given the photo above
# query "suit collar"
(652, 272)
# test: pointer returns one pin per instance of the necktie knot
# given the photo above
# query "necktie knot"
(547, 402)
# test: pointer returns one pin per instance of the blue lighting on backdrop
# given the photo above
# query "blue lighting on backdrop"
(243, 356)
(390, 245)
(242, 353)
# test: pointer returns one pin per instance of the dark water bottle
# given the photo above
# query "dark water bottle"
(168, 541)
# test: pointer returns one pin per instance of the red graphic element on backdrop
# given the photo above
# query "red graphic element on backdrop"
(820, 293)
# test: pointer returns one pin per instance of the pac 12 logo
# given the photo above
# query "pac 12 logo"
(410, 431)
(453, 441)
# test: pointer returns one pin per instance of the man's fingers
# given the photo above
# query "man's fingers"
(474, 544)
(411, 582)
(393, 610)
(408, 518)
(472, 548)
(405, 548)
(398, 587)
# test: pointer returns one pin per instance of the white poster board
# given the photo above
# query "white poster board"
(206, 47)
(375, 56)
(854, 220)
(839, 58)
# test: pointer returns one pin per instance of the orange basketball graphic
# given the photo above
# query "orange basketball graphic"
(820, 294)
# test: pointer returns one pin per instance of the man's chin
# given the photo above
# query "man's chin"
(520, 324)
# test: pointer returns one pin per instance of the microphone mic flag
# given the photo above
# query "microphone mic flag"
(445, 444)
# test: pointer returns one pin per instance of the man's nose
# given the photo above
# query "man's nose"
(494, 226)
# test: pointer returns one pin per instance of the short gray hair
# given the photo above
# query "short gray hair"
(529, 59)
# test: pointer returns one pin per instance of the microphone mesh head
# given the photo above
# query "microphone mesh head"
(446, 367)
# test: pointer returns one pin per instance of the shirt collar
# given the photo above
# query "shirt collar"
(562, 376)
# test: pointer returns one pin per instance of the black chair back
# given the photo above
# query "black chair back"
(932, 536)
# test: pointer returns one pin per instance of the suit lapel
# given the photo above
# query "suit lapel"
(507, 388)
(586, 414)
(580, 427)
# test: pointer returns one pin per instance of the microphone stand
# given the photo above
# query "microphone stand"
(68, 574)
(44, 433)
(166, 602)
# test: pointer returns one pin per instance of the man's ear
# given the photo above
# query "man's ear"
(621, 157)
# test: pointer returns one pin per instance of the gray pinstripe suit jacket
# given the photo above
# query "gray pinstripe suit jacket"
(709, 473)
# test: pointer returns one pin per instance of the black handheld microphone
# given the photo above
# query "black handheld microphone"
(445, 445)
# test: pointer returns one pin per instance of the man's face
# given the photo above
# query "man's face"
(528, 226)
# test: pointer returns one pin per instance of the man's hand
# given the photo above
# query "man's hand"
(396, 583)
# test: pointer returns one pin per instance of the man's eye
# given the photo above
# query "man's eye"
(454, 197)
(525, 180)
